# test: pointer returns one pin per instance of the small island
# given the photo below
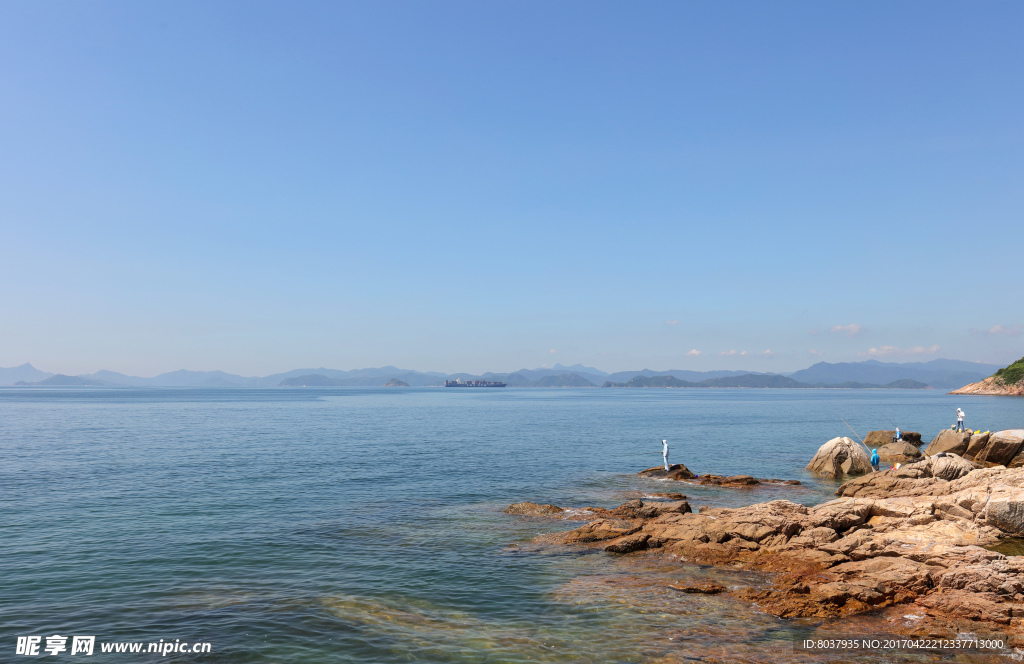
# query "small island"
(394, 382)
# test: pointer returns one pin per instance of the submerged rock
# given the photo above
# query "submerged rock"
(912, 536)
(532, 509)
(840, 456)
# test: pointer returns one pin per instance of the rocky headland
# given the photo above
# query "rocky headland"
(1008, 381)
(913, 540)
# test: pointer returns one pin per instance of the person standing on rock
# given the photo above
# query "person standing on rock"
(664, 453)
(898, 436)
(959, 420)
(874, 460)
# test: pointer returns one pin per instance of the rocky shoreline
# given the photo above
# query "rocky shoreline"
(992, 386)
(911, 538)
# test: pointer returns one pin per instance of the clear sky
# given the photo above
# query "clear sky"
(470, 186)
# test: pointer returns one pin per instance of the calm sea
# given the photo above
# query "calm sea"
(365, 525)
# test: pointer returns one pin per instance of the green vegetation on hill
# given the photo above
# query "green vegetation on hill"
(1012, 374)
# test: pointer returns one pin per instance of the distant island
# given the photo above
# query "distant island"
(1008, 381)
(764, 381)
(394, 382)
(870, 374)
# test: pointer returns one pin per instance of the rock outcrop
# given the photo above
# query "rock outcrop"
(898, 452)
(676, 471)
(992, 386)
(884, 437)
(532, 509)
(949, 441)
(840, 456)
(912, 536)
(1002, 447)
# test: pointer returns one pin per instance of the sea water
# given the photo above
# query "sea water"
(365, 525)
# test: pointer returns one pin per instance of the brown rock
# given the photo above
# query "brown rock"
(1002, 447)
(602, 529)
(628, 544)
(884, 437)
(976, 444)
(675, 472)
(702, 588)
(992, 386)
(840, 456)
(532, 509)
(898, 453)
(952, 442)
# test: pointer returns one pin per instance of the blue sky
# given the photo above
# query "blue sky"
(254, 187)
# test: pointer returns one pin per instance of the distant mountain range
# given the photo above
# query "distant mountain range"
(941, 374)
(759, 380)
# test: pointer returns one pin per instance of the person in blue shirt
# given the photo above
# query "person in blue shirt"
(898, 436)
(874, 460)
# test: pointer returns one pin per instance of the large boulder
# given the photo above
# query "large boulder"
(1000, 442)
(898, 452)
(884, 437)
(840, 456)
(949, 441)
(978, 442)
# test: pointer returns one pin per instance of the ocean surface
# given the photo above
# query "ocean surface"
(365, 525)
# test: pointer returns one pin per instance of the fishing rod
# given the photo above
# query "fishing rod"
(854, 432)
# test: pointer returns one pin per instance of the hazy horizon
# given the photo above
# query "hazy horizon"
(252, 188)
(556, 366)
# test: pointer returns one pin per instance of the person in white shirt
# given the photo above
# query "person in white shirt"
(664, 452)
(960, 420)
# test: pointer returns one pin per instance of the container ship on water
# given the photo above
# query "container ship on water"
(458, 382)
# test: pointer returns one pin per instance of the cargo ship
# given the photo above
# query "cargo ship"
(458, 382)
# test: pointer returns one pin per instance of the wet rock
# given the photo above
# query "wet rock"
(898, 453)
(628, 544)
(913, 536)
(699, 588)
(732, 480)
(670, 496)
(603, 529)
(532, 509)
(840, 456)
(949, 441)
(675, 472)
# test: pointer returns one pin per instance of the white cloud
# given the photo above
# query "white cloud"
(768, 353)
(815, 352)
(731, 353)
(552, 351)
(1011, 331)
(893, 351)
(851, 330)
(671, 322)
(693, 353)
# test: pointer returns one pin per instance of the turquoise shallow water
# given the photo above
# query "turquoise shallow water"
(365, 525)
